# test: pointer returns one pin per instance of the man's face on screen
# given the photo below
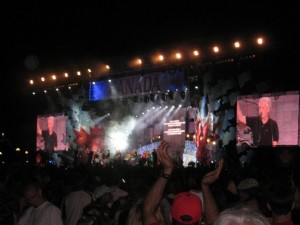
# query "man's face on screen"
(50, 123)
(263, 110)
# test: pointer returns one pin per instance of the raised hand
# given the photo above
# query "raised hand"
(213, 176)
(164, 157)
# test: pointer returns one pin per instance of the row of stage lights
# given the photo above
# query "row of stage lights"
(58, 89)
(189, 137)
(136, 63)
(150, 97)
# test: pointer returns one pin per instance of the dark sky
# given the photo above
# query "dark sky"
(58, 34)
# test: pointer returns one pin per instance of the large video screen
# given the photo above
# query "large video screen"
(268, 120)
(51, 133)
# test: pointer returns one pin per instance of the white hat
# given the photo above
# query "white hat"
(101, 190)
(247, 184)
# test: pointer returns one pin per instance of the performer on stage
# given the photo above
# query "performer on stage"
(49, 136)
(264, 129)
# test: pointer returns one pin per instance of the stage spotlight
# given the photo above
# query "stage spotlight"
(182, 95)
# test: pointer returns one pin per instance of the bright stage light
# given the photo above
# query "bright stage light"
(119, 141)
(196, 53)
(216, 49)
(119, 133)
(237, 44)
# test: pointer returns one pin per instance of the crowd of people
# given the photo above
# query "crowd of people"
(263, 192)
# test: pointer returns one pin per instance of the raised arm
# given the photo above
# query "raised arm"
(155, 194)
(210, 206)
(275, 133)
(38, 127)
(239, 114)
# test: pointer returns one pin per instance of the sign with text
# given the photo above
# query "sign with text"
(174, 132)
(135, 85)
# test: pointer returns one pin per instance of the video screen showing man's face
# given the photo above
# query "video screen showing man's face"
(51, 133)
(269, 120)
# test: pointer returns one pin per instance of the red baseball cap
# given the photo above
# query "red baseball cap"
(186, 208)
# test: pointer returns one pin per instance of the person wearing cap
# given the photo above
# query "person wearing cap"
(102, 190)
(97, 212)
(186, 207)
(249, 193)
(247, 184)
(246, 188)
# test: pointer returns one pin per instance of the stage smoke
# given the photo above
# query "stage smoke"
(119, 132)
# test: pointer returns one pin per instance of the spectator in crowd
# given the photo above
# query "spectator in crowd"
(186, 207)
(9, 201)
(281, 202)
(98, 211)
(248, 190)
(135, 216)
(40, 211)
(73, 203)
(241, 216)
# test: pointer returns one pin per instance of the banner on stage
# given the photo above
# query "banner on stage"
(137, 85)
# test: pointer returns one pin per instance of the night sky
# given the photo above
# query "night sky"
(50, 36)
